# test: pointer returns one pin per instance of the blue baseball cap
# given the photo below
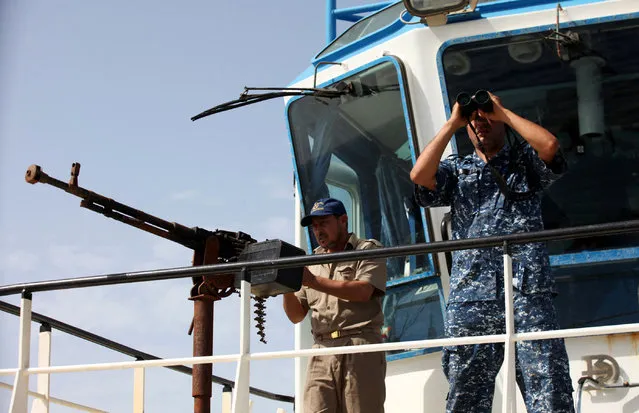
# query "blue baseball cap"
(322, 208)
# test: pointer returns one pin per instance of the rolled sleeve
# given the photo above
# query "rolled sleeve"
(301, 295)
(445, 183)
(372, 271)
(547, 172)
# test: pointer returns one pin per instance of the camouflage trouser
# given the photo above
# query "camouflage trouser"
(541, 365)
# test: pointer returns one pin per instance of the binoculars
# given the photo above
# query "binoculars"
(480, 100)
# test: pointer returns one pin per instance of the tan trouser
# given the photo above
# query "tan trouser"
(346, 383)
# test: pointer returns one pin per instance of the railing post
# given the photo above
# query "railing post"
(138, 389)
(509, 345)
(227, 399)
(331, 21)
(44, 379)
(241, 394)
(20, 396)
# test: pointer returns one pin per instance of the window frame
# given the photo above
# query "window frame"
(416, 280)
(412, 143)
(331, 50)
(568, 259)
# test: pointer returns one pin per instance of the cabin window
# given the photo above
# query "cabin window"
(364, 27)
(585, 92)
(359, 149)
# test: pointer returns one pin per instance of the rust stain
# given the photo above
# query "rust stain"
(615, 340)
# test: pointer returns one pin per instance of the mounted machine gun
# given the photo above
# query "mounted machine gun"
(209, 247)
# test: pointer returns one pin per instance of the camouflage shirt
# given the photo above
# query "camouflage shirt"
(479, 209)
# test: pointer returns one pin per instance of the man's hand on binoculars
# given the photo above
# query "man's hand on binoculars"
(499, 113)
(457, 119)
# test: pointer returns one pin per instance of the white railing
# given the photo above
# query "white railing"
(42, 398)
(240, 400)
(48, 399)
(138, 407)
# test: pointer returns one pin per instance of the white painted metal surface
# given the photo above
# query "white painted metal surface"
(302, 330)
(424, 367)
(55, 400)
(138, 389)
(41, 405)
(415, 383)
(19, 397)
(241, 392)
(418, 383)
(508, 405)
(227, 401)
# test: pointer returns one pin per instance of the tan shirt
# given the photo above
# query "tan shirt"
(329, 313)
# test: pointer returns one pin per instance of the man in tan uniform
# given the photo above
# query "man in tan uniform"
(346, 309)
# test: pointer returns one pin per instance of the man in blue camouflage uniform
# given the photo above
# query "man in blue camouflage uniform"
(480, 208)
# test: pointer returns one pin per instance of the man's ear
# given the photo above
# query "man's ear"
(343, 220)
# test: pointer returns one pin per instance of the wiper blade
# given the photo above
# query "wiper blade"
(247, 98)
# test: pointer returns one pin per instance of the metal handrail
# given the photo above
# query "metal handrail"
(56, 400)
(130, 351)
(327, 351)
(424, 248)
(240, 401)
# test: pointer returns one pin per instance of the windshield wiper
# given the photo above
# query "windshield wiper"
(246, 98)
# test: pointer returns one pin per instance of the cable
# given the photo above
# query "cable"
(599, 386)
(401, 18)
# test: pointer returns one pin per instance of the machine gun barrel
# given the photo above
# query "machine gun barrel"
(189, 237)
(209, 248)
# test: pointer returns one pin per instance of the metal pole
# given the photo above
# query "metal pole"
(624, 227)
(227, 399)
(241, 396)
(138, 389)
(203, 331)
(303, 337)
(331, 21)
(509, 353)
(55, 400)
(348, 12)
(20, 396)
(202, 346)
(121, 348)
(41, 405)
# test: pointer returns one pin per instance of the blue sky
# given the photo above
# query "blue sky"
(112, 85)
